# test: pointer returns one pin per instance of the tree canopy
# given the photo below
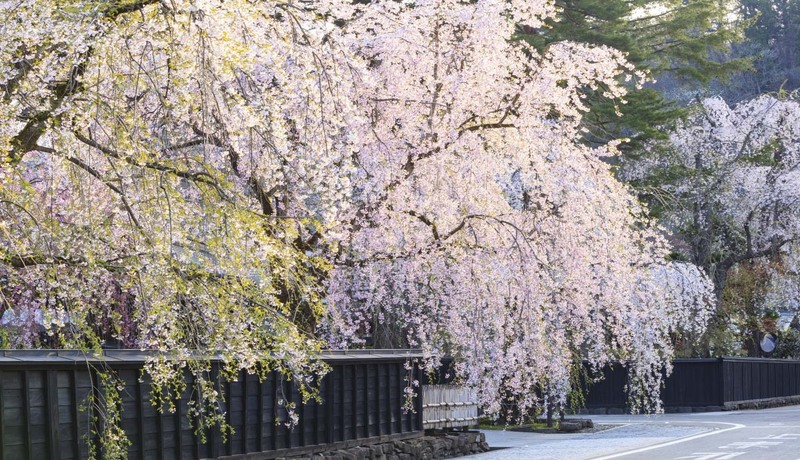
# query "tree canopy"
(726, 184)
(772, 41)
(256, 179)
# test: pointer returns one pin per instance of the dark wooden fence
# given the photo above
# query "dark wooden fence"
(706, 383)
(44, 413)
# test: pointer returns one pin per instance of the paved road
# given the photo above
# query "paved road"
(743, 435)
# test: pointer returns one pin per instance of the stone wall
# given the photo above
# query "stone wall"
(765, 403)
(435, 446)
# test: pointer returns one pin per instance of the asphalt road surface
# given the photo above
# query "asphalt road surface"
(768, 434)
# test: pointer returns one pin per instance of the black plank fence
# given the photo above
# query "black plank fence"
(706, 384)
(44, 415)
(43, 411)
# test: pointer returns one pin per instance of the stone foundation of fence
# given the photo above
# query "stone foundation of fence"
(433, 447)
(764, 403)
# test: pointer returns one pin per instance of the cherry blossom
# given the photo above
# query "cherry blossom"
(738, 191)
(246, 178)
(482, 228)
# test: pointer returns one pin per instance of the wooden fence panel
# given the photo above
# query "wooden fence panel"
(707, 383)
(45, 411)
(609, 392)
(694, 382)
(446, 406)
(758, 378)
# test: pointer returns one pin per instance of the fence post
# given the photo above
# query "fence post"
(724, 383)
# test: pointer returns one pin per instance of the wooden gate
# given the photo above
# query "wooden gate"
(448, 406)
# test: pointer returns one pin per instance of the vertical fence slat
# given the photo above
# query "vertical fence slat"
(2, 418)
(723, 382)
(260, 416)
(796, 378)
(354, 399)
(378, 402)
(419, 377)
(76, 438)
(196, 446)
(159, 414)
(271, 399)
(386, 385)
(97, 422)
(228, 414)
(176, 422)
(245, 425)
(214, 435)
(319, 418)
(368, 409)
(26, 411)
(399, 373)
(328, 409)
(300, 408)
(140, 417)
(52, 414)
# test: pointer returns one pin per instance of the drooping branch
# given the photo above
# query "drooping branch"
(483, 126)
(96, 174)
(263, 195)
(35, 127)
(199, 176)
(27, 139)
(21, 261)
(112, 9)
(425, 220)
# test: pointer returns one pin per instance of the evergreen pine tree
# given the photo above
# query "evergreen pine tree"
(673, 37)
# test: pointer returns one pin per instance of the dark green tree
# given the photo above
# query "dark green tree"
(774, 39)
(682, 39)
